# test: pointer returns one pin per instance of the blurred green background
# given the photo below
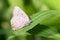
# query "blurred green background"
(48, 29)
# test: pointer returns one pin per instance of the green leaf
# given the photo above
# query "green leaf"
(47, 32)
(56, 36)
(48, 18)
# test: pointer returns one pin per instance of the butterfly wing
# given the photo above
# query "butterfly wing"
(19, 12)
(19, 19)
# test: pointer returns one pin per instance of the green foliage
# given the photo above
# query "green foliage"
(44, 15)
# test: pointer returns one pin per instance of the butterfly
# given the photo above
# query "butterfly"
(19, 19)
